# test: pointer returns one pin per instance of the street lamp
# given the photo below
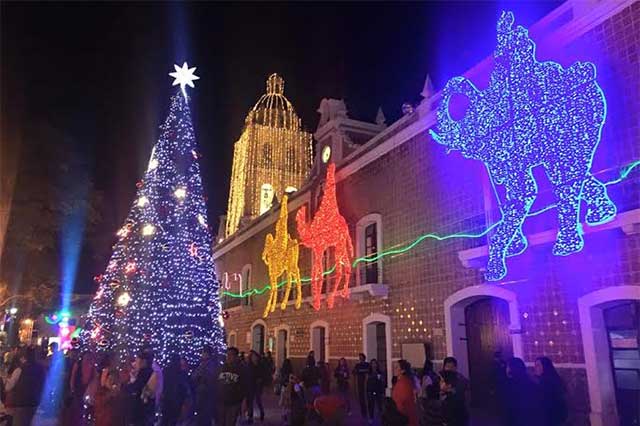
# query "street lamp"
(13, 310)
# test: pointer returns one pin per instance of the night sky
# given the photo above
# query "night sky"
(98, 72)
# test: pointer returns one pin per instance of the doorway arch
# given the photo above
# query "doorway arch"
(376, 341)
(456, 330)
(595, 341)
(283, 336)
(258, 336)
(319, 340)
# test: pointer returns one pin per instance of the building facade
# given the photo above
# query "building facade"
(419, 221)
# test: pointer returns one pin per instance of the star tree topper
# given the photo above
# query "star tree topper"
(184, 76)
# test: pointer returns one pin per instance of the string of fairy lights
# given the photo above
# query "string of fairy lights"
(403, 248)
(272, 155)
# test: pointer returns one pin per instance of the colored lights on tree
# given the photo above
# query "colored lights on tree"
(280, 254)
(143, 201)
(180, 193)
(124, 299)
(153, 164)
(328, 229)
(533, 113)
(130, 267)
(202, 220)
(148, 230)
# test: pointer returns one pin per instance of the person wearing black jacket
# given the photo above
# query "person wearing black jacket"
(256, 375)
(523, 397)
(232, 388)
(175, 391)
(361, 371)
(454, 410)
(342, 375)
(553, 392)
(203, 379)
(24, 388)
(311, 379)
(376, 386)
(138, 412)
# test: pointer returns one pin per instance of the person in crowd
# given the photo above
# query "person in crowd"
(231, 384)
(403, 392)
(51, 353)
(429, 377)
(109, 404)
(152, 391)
(523, 399)
(331, 409)
(428, 380)
(24, 387)
(83, 374)
(391, 416)
(176, 392)
(243, 359)
(376, 386)
(256, 374)
(67, 415)
(204, 382)
(311, 379)
(462, 383)
(553, 392)
(139, 411)
(361, 371)
(342, 375)
(285, 372)
(270, 368)
(454, 409)
(325, 377)
(431, 412)
(293, 402)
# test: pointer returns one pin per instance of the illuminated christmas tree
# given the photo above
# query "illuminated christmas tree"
(159, 288)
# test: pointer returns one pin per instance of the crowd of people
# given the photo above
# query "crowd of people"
(425, 397)
(98, 390)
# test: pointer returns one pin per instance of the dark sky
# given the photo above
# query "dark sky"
(98, 71)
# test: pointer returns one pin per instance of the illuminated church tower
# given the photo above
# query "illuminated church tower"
(272, 156)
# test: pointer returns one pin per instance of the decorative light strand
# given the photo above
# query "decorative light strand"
(401, 249)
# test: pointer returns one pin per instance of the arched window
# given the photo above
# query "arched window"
(231, 339)
(246, 284)
(319, 341)
(369, 245)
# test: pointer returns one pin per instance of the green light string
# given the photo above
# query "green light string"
(374, 257)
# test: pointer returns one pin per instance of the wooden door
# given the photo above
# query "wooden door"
(487, 323)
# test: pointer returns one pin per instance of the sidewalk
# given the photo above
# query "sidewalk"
(273, 413)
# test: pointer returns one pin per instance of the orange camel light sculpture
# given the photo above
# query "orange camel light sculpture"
(327, 229)
(280, 254)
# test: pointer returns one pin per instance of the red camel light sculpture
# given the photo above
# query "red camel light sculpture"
(327, 229)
